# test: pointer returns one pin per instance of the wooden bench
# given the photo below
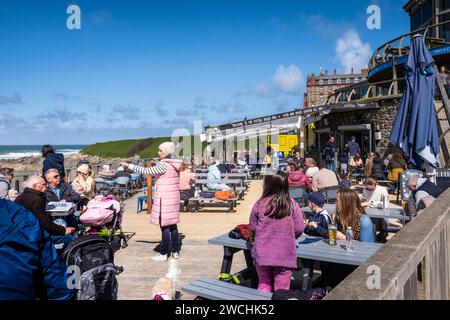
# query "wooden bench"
(212, 289)
(231, 203)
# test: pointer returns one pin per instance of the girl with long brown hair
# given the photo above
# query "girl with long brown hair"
(277, 221)
(350, 213)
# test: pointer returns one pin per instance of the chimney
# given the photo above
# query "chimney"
(352, 70)
(334, 73)
(326, 72)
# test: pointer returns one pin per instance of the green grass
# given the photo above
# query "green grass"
(110, 149)
(121, 149)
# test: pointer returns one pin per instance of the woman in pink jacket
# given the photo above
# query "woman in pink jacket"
(297, 178)
(166, 198)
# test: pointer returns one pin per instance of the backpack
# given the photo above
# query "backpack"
(241, 231)
(94, 257)
(222, 195)
(207, 194)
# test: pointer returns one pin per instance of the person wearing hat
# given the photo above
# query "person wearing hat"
(83, 183)
(166, 198)
(317, 224)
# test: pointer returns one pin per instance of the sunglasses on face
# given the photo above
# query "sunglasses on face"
(57, 176)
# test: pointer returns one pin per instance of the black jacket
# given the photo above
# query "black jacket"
(54, 161)
(35, 201)
(378, 169)
(67, 193)
(430, 188)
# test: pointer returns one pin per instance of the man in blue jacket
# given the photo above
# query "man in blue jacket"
(353, 148)
(30, 268)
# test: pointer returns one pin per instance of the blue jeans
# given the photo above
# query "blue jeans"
(66, 239)
(331, 166)
(169, 241)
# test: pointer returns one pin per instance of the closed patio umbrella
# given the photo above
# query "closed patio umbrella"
(415, 126)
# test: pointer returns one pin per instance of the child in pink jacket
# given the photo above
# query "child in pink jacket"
(277, 221)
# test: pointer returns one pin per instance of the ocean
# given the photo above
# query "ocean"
(19, 151)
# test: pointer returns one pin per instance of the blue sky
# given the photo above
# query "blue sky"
(143, 68)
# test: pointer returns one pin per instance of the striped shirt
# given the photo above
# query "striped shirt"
(158, 169)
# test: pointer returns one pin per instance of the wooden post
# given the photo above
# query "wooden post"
(149, 191)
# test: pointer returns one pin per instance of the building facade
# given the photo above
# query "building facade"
(424, 13)
(319, 87)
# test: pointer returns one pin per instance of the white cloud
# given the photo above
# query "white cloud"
(352, 52)
(288, 80)
(260, 89)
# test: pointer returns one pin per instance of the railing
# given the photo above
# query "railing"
(368, 91)
(414, 265)
(399, 46)
(20, 178)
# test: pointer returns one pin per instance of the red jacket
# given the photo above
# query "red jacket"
(299, 179)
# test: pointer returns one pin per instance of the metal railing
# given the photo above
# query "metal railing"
(20, 178)
(400, 46)
(368, 91)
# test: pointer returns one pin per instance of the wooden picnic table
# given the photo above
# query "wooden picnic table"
(312, 248)
(231, 182)
(331, 208)
(224, 175)
(389, 213)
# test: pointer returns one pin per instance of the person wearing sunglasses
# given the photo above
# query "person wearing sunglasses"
(59, 191)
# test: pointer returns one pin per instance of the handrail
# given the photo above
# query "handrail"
(373, 63)
(390, 84)
(413, 265)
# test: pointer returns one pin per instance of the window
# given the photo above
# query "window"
(339, 81)
(356, 80)
(348, 81)
(320, 82)
(422, 16)
(330, 81)
(445, 4)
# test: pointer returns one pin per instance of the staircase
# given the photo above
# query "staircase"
(444, 133)
(442, 105)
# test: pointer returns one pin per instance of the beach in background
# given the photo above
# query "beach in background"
(21, 151)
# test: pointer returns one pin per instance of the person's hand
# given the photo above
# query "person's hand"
(70, 230)
(125, 165)
(313, 224)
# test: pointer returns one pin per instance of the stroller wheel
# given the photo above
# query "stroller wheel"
(123, 243)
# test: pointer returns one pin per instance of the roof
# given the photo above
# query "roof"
(411, 4)
(272, 124)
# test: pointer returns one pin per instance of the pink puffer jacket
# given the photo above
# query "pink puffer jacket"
(299, 179)
(166, 198)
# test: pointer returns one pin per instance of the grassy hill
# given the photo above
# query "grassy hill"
(145, 148)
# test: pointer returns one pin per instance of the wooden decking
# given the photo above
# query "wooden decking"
(197, 258)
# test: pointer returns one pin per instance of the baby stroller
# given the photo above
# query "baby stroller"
(103, 217)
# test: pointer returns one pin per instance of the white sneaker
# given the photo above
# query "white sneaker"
(159, 257)
(175, 255)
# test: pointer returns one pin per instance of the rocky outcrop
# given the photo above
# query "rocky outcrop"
(34, 163)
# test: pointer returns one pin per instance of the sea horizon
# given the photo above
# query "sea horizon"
(17, 151)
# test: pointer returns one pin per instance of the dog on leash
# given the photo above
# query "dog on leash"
(165, 287)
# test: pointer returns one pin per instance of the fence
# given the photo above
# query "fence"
(414, 265)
